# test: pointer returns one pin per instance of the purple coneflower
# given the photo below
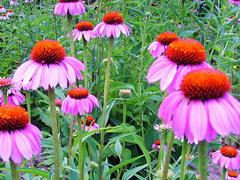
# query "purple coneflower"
(181, 57)
(48, 66)
(9, 13)
(90, 124)
(112, 25)
(79, 102)
(14, 97)
(234, 2)
(69, 7)
(2, 9)
(18, 138)
(233, 175)
(227, 157)
(158, 47)
(202, 108)
(156, 145)
(84, 29)
(14, 3)
(28, 1)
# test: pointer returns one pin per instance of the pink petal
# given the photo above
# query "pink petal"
(6, 145)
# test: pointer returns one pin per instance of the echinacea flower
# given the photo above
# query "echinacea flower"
(125, 93)
(158, 47)
(112, 25)
(156, 145)
(2, 9)
(14, 97)
(181, 57)
(202, 108)
(84, 29)
(79, 102)
(160, 127)
(58, 103)
(4, 17)
(227, 157)
(234, 2)
(5, 84)
(28, 1)
(69, 7)
(90, 124)
(18, 138)
(14, 3)
(9, 13)
(232, 175)
(48, 66)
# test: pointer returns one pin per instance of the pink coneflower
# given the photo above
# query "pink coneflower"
(48, 66)
(5, 83)
(58, 103)
(84, 29)
(89, 124)
(18, 138)
(14, 2)
(227, 157)
(181, 57)
(71, 7)
(28, 1)
(10, 13)
(4, 17)
(158, 47)
(202, 108)
(14, 97)
(156, 145)
(234, 2)
(233, 175)
(2, 9)
(112, 25)
(79, 102)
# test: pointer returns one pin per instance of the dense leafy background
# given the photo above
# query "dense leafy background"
(214, 23)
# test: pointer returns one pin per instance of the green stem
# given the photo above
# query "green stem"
(106, 93)
(5, 96)
(124, 116)
(224, 172)
(70, 141)
(168, 156)
(51, 94)
(85, 73)
(80, 148)
(28, 99)
(183, 159)
(202, 158)
(70, 35)
(161, 152)
(14, 173)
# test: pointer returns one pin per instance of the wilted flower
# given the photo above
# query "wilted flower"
(112, 25)
(158, 47)
(18, 138)
(227, 157)
(181, 57)
(71, 7)
(89, 124)
(79, 102)
(48, 66)
(125, 93)
(202, 108)
(84, 29)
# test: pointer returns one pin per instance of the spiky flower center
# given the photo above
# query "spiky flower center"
(10, 11)
(157, 142)
(48, 52)
(186, 52)
(166, 38)
(84, 26)
(89, 121)
(78, 93)
(233, 174)
(68, 1)
(12, 117)
(113, 18)
(205, 84)
(229, 151)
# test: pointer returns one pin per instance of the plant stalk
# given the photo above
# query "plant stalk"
(70, 141)
(106, 93)
(70, 35)
(168, 156)
(80, 148)
(183, 159)
(85, 73)
(202, 158)
(28, 99)
(5, 96)
(224, 172)
(14, 173)
(161, 152)
(51, 94)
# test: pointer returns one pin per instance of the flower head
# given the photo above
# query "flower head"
(235, 2)
(18, 138)
(10, 13)
(58, 103)
(48, 66)
(158, 47)
(181, 57)
(90, 124)
(232, 175)
(112, 25)
(227, 157)
(2, 9)
(79, 102)
(14, 2)
(156, 145)
(84, 29)
(71, 7)
(5, 84)
(125, 93)
(14, 97)
(202, 108)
